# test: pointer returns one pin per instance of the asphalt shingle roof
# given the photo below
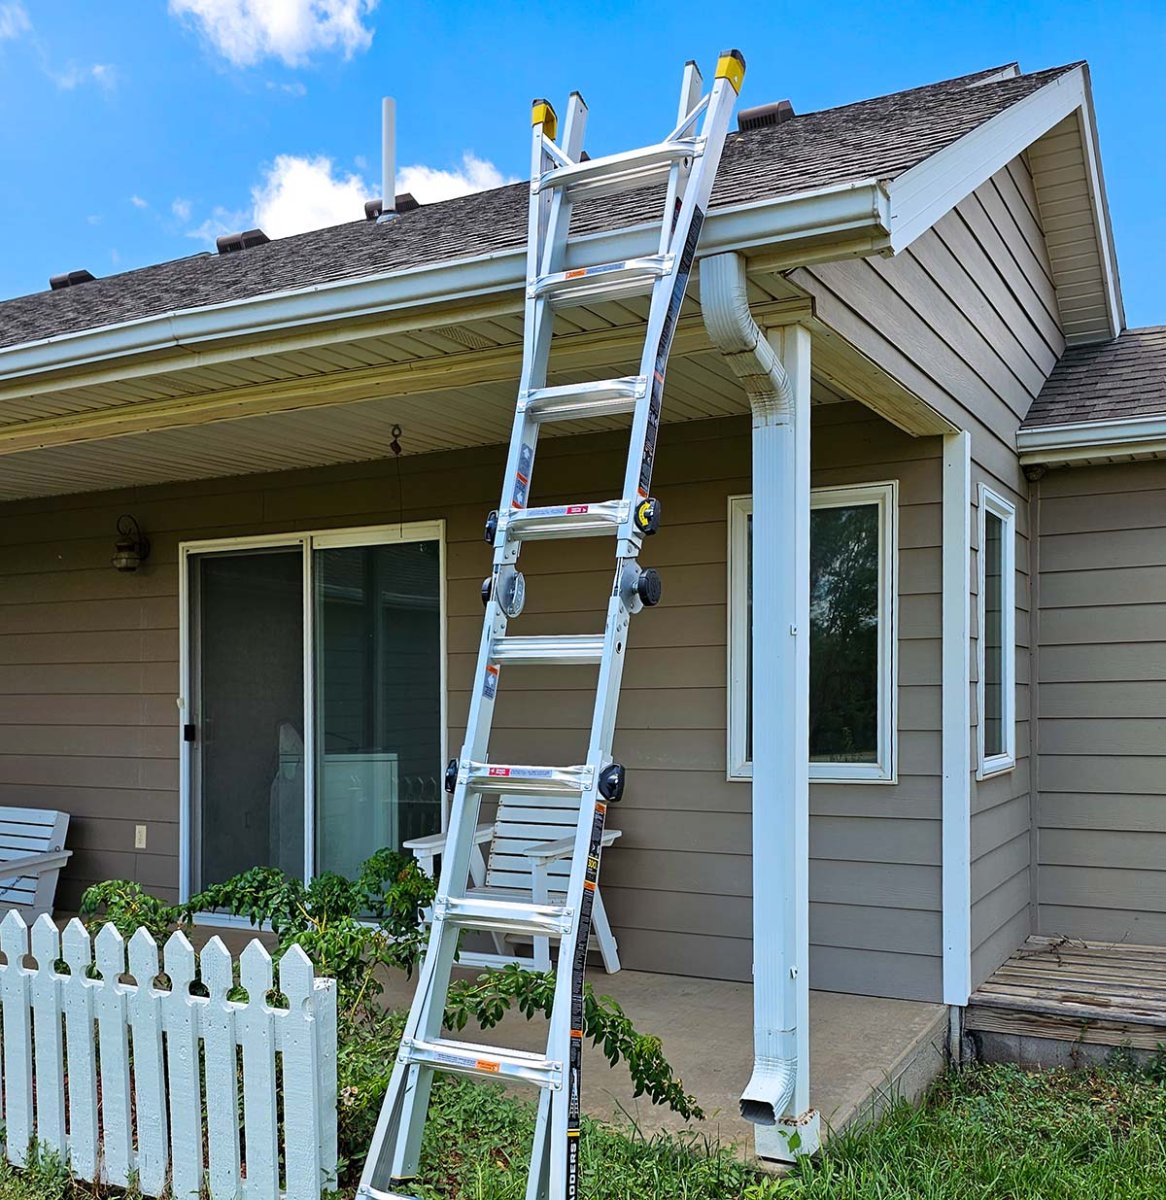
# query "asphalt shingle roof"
(872, 139)
(1106, 381)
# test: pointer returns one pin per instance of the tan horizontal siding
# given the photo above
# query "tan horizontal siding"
(89, 674)
(1101, 810)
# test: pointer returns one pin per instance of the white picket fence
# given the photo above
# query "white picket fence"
(131, 1081)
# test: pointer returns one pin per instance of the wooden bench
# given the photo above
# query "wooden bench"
(32, 853)
(530, 845)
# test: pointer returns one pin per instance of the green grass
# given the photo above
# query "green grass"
(984, 1133)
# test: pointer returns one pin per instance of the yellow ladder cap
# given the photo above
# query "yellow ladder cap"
(731, 66)
(541, 113)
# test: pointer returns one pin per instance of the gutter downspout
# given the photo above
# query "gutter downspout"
(777, 382)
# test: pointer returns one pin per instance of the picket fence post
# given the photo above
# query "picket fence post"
(157, 1052)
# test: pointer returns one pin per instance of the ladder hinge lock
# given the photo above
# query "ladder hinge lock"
(451, 776)
(648, 516)
(491, 527)
(639, 589)
(611, 781)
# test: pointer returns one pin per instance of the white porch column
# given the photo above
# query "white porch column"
(780, 700)
(956, 721)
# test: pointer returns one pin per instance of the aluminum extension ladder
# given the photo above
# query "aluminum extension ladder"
(686, 161)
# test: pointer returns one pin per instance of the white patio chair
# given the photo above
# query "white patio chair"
(32, 853)
(531, 841)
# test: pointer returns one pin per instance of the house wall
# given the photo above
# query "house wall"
(967, 317)
(89, 676)
(1101, 662)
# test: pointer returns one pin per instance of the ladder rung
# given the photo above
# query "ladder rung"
(621, 172)
(536, 781)
(565, 520)
(465, 1058)
(602, 398)
(554, 650)
(606, 281)
(503, 916)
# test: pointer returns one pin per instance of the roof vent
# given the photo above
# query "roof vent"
(764, 115)
(231, 243)
(403, 203)
(69, 279)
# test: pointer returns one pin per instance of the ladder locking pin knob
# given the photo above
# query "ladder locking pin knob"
(487, 588)
(451, 776)
(648, 516)
(611, 781)
(649, 587)
(491, 527)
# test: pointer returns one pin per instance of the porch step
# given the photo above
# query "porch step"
(576, 401)
(605, 281)
(564, 650)
(465, 1058)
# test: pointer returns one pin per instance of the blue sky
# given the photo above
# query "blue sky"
(133, 131)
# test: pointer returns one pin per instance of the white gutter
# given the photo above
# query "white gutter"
(776, 1097)
(847, 213)
(1080, 440)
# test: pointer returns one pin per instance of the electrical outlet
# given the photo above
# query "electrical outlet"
(139, 837)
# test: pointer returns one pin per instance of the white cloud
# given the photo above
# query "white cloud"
(431, 184)
(13, 21)
(246, 31)
(295, 88)
(222, 220)
(73, 76)
(138, 202)
(298, 194)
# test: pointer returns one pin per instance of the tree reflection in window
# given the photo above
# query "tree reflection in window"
(844, 634)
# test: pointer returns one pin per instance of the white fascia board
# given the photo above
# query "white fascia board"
(920, 196)
(1081, 440)
(1100, 202)
(844, 212)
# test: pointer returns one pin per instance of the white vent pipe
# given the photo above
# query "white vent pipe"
(388, 159)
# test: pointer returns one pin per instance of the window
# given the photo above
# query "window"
(996, 687)
(853, 555)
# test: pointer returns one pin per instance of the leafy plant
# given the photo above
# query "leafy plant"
(122, 903)
(491, 996)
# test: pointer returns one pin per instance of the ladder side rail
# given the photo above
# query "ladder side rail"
(549, 225)
(667, 297)
(681, 173)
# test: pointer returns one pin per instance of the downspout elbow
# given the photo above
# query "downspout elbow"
(730, 325)
(770, 1090)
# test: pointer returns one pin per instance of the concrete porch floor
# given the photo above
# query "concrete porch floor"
(863, 1051)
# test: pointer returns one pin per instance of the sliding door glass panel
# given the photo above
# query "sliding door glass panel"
(378, 690)
(250, 760)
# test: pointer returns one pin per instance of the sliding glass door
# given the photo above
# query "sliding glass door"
(314, 710)
(378, 698)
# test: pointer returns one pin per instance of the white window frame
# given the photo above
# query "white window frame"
(307, 541)
(991, 502)
(884, 494)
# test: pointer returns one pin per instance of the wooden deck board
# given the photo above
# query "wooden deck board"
(1110, 995)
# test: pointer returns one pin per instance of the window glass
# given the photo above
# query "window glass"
(844, 634)
(992, 634)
